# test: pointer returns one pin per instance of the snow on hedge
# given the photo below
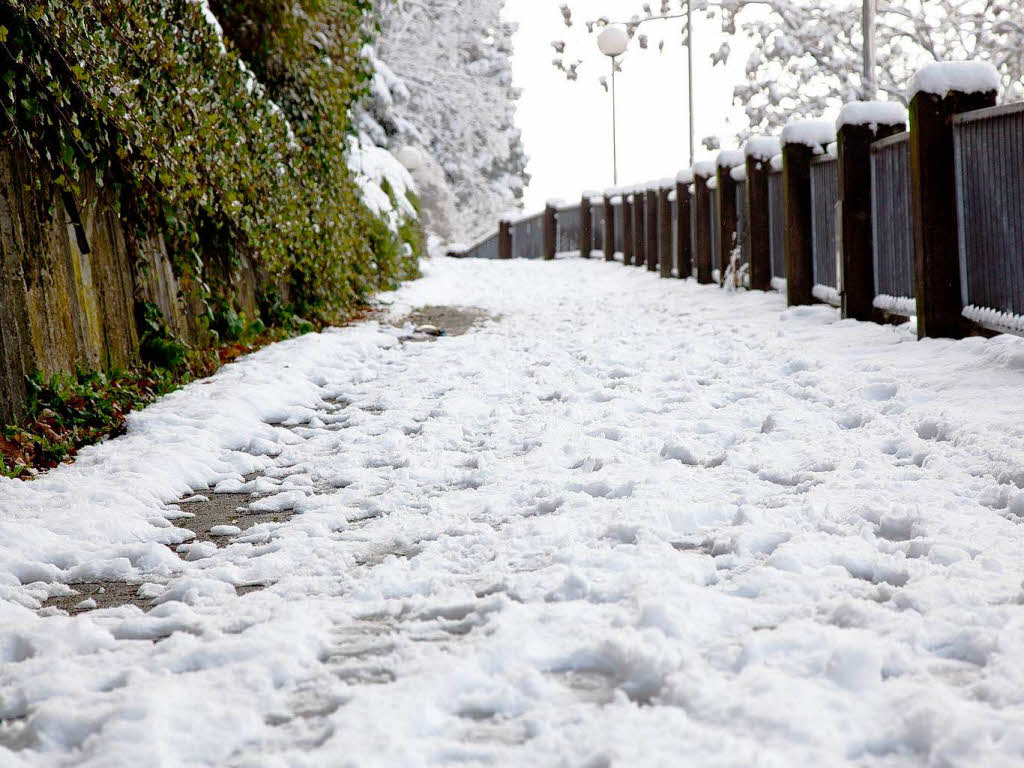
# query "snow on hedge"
(816, 134)
(942, 77)
(872, 113)
(685, 176)
(371, 167)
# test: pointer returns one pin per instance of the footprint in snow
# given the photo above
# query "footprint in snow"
(604, 490)
(880, 392)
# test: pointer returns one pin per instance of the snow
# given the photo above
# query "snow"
(730, 158)
(779, 284)
(762, 148)
(897, 305)
(443, 81)
(712, 183)
(816, 134)
(827, 294)
(872, 113)
(995, 319)
(739, 173)
(941, 77)
(372, 166)
(774, 538)
(685, 176)
(704, 168)
(776, 162)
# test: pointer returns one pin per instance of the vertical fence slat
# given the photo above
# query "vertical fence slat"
(892, 235)
(824, 195)
(989, 155)
(776, 222)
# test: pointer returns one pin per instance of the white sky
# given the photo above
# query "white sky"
(567, 126)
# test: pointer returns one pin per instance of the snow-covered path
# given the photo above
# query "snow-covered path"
(629, 522)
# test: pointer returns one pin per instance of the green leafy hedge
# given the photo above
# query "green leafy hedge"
(232, 140)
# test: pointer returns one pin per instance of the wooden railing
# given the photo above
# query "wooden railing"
(940, 237)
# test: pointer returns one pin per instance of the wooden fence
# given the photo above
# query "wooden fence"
(929, 215)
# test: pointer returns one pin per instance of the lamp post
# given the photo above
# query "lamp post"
(868, 31)
(613, 42)
(689, 70)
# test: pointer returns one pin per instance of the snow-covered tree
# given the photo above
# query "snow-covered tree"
(444, 83)
(807, 53)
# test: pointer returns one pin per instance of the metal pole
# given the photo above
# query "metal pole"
(689, 67)
(868, 30)
(615, 138)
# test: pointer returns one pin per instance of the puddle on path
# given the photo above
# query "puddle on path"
(450, 320)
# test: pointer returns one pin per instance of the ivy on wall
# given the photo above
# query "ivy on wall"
(231, 139)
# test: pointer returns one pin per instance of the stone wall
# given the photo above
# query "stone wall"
(69, 284)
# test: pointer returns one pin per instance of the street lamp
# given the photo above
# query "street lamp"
(613, 42)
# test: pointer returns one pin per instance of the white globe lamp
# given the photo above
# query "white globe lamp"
(613, 40)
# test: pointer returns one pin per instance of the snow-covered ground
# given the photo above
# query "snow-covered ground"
(630, 522)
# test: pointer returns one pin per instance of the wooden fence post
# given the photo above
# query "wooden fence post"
(728, 237)
(684, 251)
(702, 221)
(550, 231)
(586, 226)
(627, 229)
(505, 239)
(861, 123)
(934, 102)
(639, 227)
(609, 227)
(758, 154)
(801, 141)
(665, 228)
(651, 210)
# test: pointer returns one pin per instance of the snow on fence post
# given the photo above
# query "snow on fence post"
(651, 211)
(639, 227)
(609, 226)
(860, 124)
(665, 228)
(702, 221)
(939, 91)
(758, 153)
(627, 229)
(727, 235)
(505, 239)
(586, 226)
(550, 230)
(801, 141)
(684, 250)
